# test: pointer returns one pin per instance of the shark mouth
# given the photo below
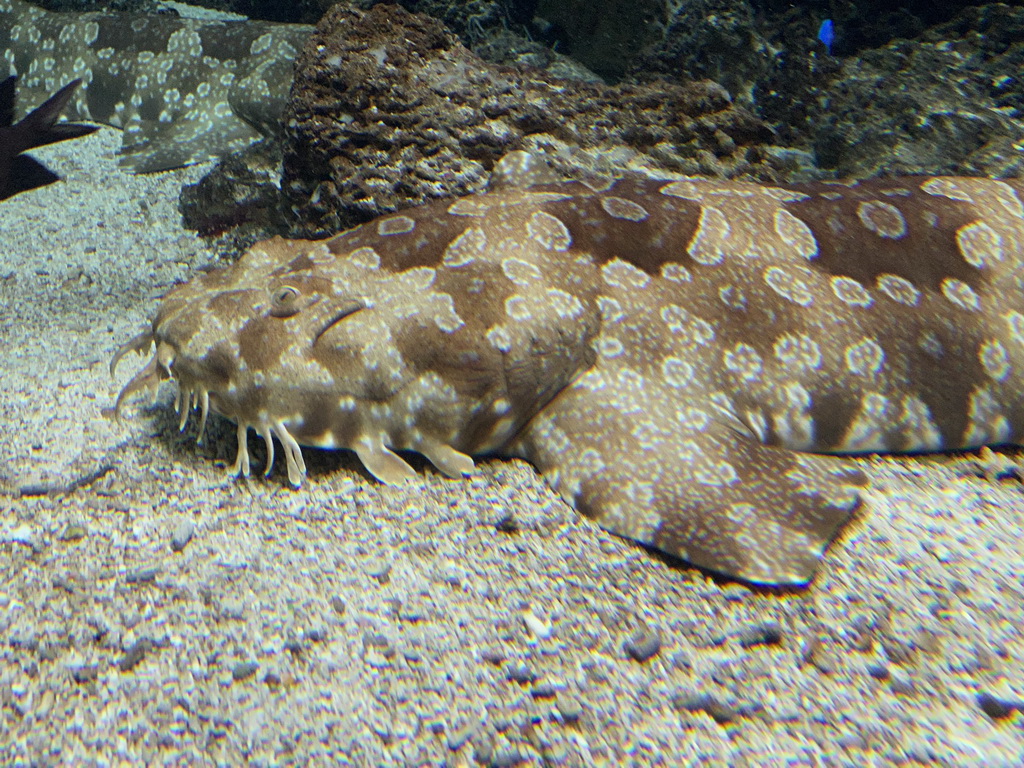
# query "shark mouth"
(193, 395)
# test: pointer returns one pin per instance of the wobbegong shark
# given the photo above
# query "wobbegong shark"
(183, 90)
(676, 357)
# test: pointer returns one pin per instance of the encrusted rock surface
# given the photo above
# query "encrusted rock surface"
(389, 109)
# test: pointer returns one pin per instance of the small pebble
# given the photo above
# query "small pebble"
(85, 674)
(338, 605)
(244, 670)
(182, 535)
(766, 633)
(492, 656)
(719, 711)
(74, 532)
(507, 757)
(134, 655)
(644, 644)
(569, 708)
(457, 739)
(536, 626)
(507, 524)
(996, 708)
(518, 672)
(142, 575)
(381, 571)
(878, 670)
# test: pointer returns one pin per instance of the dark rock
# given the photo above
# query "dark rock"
(388, 110)
(915, 107)
(644, 644)
(240, 198)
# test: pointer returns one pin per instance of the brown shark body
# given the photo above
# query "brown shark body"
(675, 356)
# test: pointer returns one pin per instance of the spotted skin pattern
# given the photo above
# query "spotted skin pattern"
(674, 356)
(183, 90)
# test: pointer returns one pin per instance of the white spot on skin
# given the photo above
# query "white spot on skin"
(795, 233)
(712, 227)
(994, 359)
(520, 272)
(445, 316)
(611, 309)
(899, 289)
(717, 474)
(744, 361)
(365, 257)
(565, 305)
(620, 208)
(867, 430)
(681, 323)
(987, 424)
(864, 358)
(675, 317)
(798, 351)
(851, 292)
(921, 433)
(676, 372)
(960, 293)
(548, 231)
(979, 244)
(621, 274)
(465, 248)
(517, 308)
(732, 297)
(395, 225)
(1015, 322)
(609, 346)
(788, 285)
(946, 187)
(499, 338)
(677, 273)
(884, 219)
(930, 343)
(261, 44)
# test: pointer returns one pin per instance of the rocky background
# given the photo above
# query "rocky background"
(727, 88)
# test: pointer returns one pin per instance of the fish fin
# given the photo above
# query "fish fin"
(674, 475)
(383, 463)
(150, 147)
(450, 462)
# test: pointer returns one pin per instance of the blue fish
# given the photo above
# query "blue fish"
(827, 34)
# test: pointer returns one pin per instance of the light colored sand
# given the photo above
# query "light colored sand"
(386, 623)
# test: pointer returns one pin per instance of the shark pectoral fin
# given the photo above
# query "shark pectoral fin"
(162, 146)
(673, 478)
(450, 462)
(383, 463)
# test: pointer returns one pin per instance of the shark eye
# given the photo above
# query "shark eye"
(284, 301)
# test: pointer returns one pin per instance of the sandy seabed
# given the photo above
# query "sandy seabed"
(155, 611)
